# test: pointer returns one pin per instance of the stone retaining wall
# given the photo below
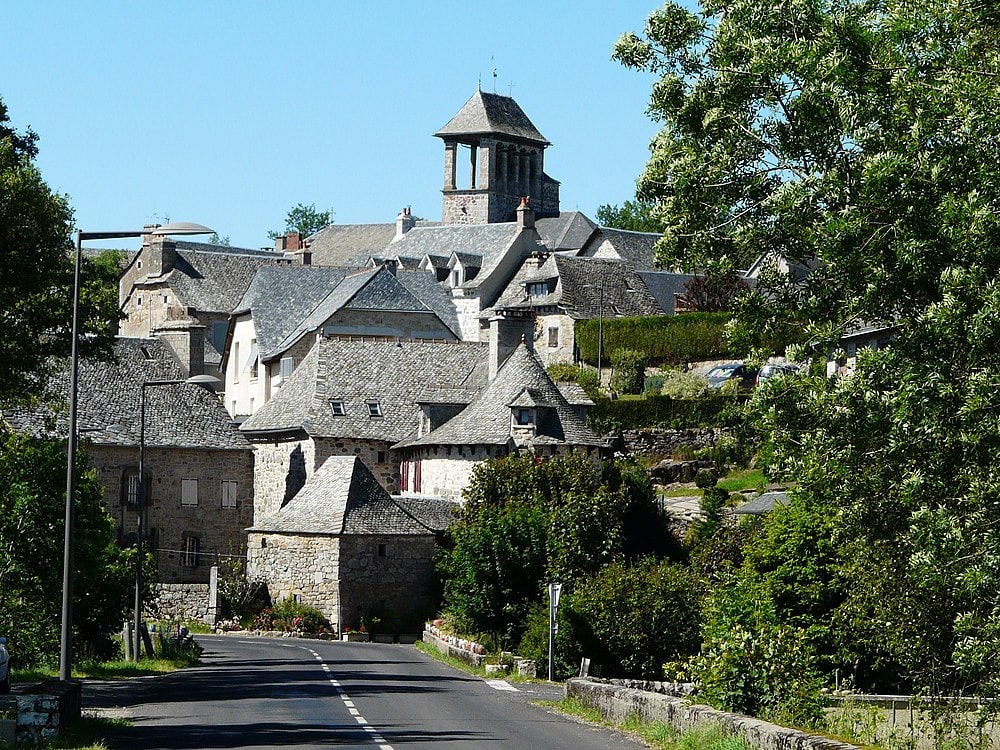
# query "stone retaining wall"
(468, 651)
(45, 710)
(184, 601)
(618, 703)
(666, 442)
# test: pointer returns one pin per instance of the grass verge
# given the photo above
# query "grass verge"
(468, 668)
(88, 733)
(656, 734)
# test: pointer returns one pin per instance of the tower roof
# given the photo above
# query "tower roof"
(492, 114)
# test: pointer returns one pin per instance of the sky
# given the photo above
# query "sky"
(229, 113)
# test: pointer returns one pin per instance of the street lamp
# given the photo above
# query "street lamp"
(140, 495)
(66, 634)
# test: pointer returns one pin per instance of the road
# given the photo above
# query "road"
(282, 692)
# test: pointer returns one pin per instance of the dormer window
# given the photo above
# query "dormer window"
(538, 289)
(374, 409)
(337, 408)
(524, 417)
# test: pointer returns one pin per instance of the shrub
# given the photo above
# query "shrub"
(666, 339)
(683, 385)
(564, 372)
(291, 616)
(628, 366)
(659, 411)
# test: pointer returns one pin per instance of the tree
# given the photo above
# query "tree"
(36, 274)
(858, 142)
(854, 139)
(715, 291)
(305, 220)
(635, 216)
(32, 502)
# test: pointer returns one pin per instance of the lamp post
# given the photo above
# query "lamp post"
(66, 631)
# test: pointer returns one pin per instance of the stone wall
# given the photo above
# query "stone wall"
(375, 454)
(184, 601)
(666, 442)
(281, 468)
(618, 703)
(348, 578)
(45, 710)
(563, 351)
(218, 530)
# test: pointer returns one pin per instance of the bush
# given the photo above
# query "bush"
(630, 620)
(291, 616)
(665, 339)
(628, 366)
(564, 372)
(683, 385)
(608, 415)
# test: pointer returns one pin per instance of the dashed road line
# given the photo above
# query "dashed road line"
(502, 685)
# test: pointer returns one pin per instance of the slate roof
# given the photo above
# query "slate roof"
(567, 232)
(213, 279)
(664, 286)
(424, 286)
(492, 114)
(356, 372)
(636, 248)
(487, 420)
(349, 244)
(108, 403)
(435, 513)
(587, 288)
(486, 242)
(342, 498)
(280, 297)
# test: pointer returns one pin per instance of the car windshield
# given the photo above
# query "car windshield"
(723, 371)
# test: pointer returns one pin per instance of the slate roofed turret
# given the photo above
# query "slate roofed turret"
(492, 114)
(342, 497)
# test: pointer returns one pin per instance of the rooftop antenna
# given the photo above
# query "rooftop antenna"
(494, 75)
(510, 90)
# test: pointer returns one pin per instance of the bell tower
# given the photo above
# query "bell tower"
(504, 155)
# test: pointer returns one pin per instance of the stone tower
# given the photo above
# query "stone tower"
(506, 163)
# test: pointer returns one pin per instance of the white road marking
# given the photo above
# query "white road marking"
(502, 685)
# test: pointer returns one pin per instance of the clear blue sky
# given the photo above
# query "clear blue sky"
(229, 113)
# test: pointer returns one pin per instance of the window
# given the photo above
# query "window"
(553, 337)
(338, 408)
(538, 289)
(455, 276)
(254, 363)
(374, 409)
(381, 457)
(192, 546)
(138, 301)
(130, 487)
(189, 492)
(228, 493)
(382, 550)
(524, 416)
(236, 362)
(166, 299)
(138, 265)
(287, 365)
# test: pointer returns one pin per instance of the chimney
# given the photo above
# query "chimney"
(162, 256)
(525, 215)
(186, 339)
(505, 335)
(404, 223)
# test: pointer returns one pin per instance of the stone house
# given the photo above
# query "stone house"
(186, 290)
(355, 398)
(345, 547)
(557, 291)
(198, 467)
(519, 411)
(286, 309)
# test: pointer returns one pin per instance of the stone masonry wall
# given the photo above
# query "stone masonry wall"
(375, 454)
(666, 442)
(218, 530)
(281, 468)
(297, 565)
(183, 601)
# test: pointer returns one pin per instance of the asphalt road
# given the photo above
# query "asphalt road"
(267, 692)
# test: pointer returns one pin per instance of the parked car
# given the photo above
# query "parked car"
(719, 375)
(773, 371)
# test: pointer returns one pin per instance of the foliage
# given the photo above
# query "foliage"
(677, 385)
(715, 291)
(32, 506)
(631, 619)
(634, 216)
(609, 415)
(291, 616)
(238, 595)
(663, 339)
(527, 522)
(752, 663)
(37, 258)
(628, 371)
(564, 372)
(306, 220)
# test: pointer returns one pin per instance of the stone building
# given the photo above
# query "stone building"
(344, 546)
(520, 410)
(198, 468)
(355, 398)
(506, 162)
(187, 291)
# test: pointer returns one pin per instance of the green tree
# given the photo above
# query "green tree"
(635, 216)
(36, 274)
(32, 502)
(306, 220)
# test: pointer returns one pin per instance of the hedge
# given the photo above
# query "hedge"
(609, 415)
(663, 339)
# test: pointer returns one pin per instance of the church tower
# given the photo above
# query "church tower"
(506, 155)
